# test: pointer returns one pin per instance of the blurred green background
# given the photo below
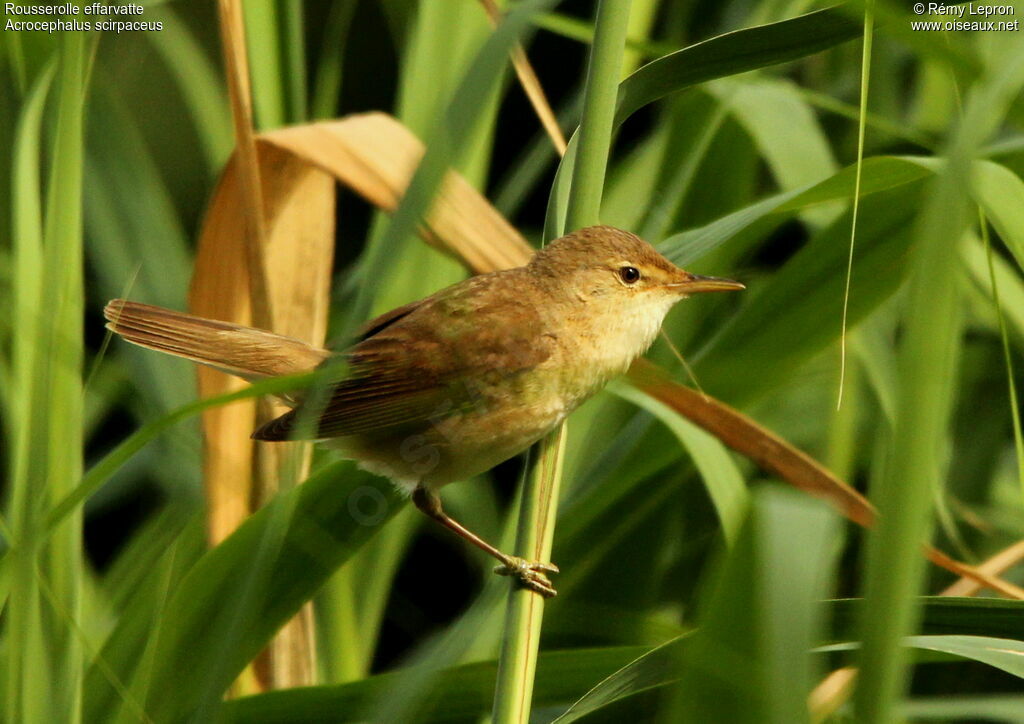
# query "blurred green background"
(112, 147)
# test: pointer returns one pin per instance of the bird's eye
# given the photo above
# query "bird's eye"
(629, 274)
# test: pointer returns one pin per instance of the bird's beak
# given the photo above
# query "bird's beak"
(694, 283)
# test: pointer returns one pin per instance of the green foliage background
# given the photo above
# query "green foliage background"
(694, 589)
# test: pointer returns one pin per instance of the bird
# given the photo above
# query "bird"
(446, 387)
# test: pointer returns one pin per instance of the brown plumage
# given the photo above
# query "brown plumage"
(241, 351)
(447, 387)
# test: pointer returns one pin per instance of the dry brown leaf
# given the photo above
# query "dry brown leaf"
(268, 210)
(831, 692)
(375, 156)
(775, 455)
(531, 84)
(980, 576)
(748, 438)
(994, 566)
(298, 202)
(236, 62)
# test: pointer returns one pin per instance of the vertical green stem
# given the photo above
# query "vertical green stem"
(521, 642)
(23, 627)
(865, 77)
(43, 653)
(641, 20)
(927, 366)
(277, 63)
(328, 74)
(293, 60)
(63, 259)
(1018, 435)
(841, 452)
(599, 95)
(927, 357)
(524, 616)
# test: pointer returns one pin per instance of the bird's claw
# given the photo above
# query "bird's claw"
(531, 574)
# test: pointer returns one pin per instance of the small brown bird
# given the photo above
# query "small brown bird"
(447, 387)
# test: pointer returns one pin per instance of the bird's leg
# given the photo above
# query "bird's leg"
(531, 574)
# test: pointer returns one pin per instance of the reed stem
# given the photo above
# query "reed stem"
(517, 661)
(599, 97)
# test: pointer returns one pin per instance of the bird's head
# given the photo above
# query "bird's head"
(607, 268)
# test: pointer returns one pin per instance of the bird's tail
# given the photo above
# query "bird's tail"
(241, 351)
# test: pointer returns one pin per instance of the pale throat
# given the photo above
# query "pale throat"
(615, 335)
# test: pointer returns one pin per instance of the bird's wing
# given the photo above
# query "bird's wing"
(424, 363)
(379, 324)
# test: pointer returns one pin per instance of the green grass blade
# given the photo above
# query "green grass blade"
(306, 534)
(413, 692)
(959, 708)
(520, 645)
(732, 53)
(583, 31)
(1005, 654)
(461, 692)
(101, 472)
(927, 369)
(328, 78)
(1000, 653)
(724, 55)
(1011, 286)
(45, 575)
(1018, 436)
(200, 85)
(750, 659)
(266, 37)
(782, 566)
(642, 15)
(136, 239)
(865, 77)
(881, 124)
(796, 314)
(595, 132)
(638, 177)
(1000, 192)
(655, 669)
(444, 147)
(785, 130)
(722, 478)
(23, 642)
(881, 173)
(694, 124)
(940, 615)
(636, 454)
(64, 401)
(293, 59)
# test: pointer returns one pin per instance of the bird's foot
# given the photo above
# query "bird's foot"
(531, 574)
